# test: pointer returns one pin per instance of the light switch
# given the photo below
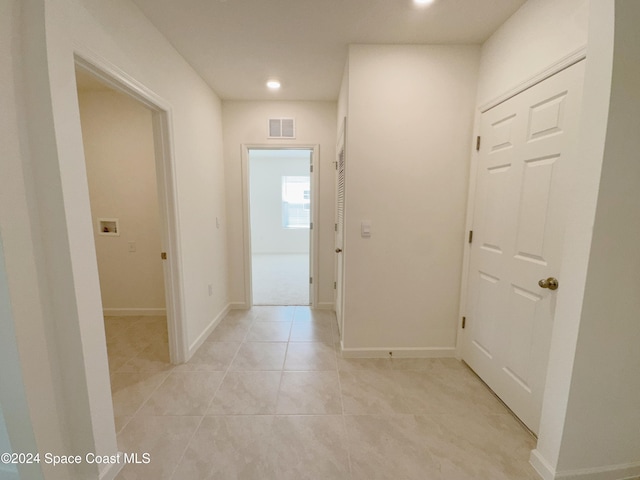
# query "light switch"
(365, 228)
(132, 247)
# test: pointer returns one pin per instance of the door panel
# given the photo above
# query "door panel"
(525, 166)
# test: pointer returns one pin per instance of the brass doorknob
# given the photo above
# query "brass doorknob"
(550, 283)
(338, 250)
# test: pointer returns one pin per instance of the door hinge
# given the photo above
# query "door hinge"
(163, 255)
(311, 226)
(335, 227)
(470, 236)
(336, 165)
(310, 280)
(478, 143)
(464, 322)
(311, 168)
(335, 285)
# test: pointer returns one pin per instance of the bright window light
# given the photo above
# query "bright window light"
(296, 201)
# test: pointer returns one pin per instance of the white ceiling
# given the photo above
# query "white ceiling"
(237, 45)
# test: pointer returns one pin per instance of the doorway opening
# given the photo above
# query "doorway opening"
(280, 200)
(106, 74)
(131, 187)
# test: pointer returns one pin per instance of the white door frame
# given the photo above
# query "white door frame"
(167, 188)
(563, 63)
(246, 217)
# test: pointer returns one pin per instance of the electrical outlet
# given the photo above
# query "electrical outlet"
(132, 247)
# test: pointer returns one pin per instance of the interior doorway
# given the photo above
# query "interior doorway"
(125, 166)
(280, 188)
(97, 71)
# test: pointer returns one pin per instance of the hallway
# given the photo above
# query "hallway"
(268, 396)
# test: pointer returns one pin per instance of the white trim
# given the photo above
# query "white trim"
(162, 118)
(428, 352)
(325, 306)
(314, 234)
(541, 466)
(246, 214)
(134, 312)
(246, 229)
(239, 306)
(174, 281)
(466, 258)
(611, 472)
(112, 471)
(207, 331)
(565, 62)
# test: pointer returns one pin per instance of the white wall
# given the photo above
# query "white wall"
(267, 232)
(603, 393)
(538, 34)
(11, 386)
(29, 379)
(5, 444)
(409, 133)
(246, 123)
(7, 471)
(66, 274)
(117, 135)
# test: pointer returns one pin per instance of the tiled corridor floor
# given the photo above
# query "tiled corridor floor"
(268, 397)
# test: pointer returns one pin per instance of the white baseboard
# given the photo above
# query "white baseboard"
(244, 306)
(610, 472)
(207, 331)
(324, 306)
(134, 312)
(112, 470)
(430, 352)
(238, 306)
(541, 466)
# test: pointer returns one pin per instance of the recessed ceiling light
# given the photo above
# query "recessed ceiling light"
(423, 3)
(273, 84)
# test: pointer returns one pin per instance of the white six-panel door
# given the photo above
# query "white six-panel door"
(526, 166)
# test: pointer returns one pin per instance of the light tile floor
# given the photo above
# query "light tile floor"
(268, 396)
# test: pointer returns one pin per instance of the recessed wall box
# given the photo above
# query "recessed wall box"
(108, 226)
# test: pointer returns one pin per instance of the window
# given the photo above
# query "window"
(296, 202)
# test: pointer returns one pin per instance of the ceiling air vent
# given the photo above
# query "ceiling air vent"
(282, 128)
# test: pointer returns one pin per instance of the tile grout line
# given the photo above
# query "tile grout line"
(284, 362)
(351, 448)
(186, 446)
(153, 372)
(344, 418)
(228, 369)
(206, 410)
